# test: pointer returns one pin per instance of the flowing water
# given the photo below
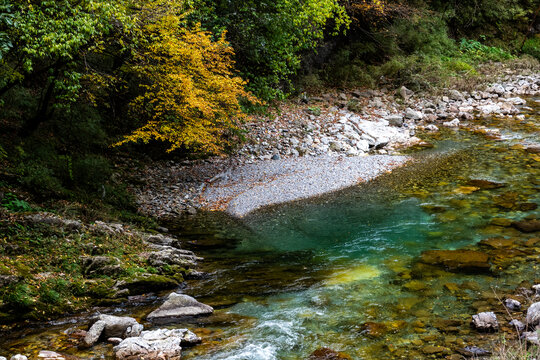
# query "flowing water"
(342, 271)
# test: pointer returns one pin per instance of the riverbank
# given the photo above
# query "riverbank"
(291, 155)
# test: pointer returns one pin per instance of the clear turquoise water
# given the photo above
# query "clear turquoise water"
(299, 277)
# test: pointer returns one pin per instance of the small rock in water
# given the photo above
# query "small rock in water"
(451, 124)
(518, 325)
(50, 355)
(512, 305)
(432, 127)
(114, 340)
(485, 321)
(473, 351)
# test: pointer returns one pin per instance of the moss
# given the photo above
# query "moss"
(102, 288)
(144, 283)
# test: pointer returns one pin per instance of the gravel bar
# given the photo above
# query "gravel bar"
(249, 187)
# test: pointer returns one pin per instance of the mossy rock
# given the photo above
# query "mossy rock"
(100, 289)
(145, 283)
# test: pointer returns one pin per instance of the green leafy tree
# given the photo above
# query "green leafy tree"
(269, 37)
(44, 47)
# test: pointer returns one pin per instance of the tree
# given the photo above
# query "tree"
(269, 37)
(43, 45)
(189, 95)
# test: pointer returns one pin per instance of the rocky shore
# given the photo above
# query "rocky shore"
(294, 155)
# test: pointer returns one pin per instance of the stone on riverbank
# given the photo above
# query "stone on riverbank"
(110, 326)
(518, 325)
(158, 344)
(512, 305)
(485, 321)
(458, 260)
(533, 315)
(179, 306)
(18, 357)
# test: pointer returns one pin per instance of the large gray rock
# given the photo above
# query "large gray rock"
(485, 321)
(157, 344)
(179, 306)
(110, 326)
(533, 315)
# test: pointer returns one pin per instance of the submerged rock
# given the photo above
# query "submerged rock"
(474, 351)
(179, 306)
(457, 260)
(527, 226)
(110, 326)
(498, 243)
(485, 184)
(485, 321)
(157, 344)
(328, 354)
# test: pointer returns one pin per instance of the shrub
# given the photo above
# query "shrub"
(477, 51)
(423, 34)
(19, 296)
(39, 178)
(532, 47)
(11, 202)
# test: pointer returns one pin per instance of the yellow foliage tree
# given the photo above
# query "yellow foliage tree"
(190, 94)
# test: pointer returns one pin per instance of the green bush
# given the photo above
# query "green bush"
(18, 296)
(477, 51)
(423, 34)
(532, 47)
(12, 203)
